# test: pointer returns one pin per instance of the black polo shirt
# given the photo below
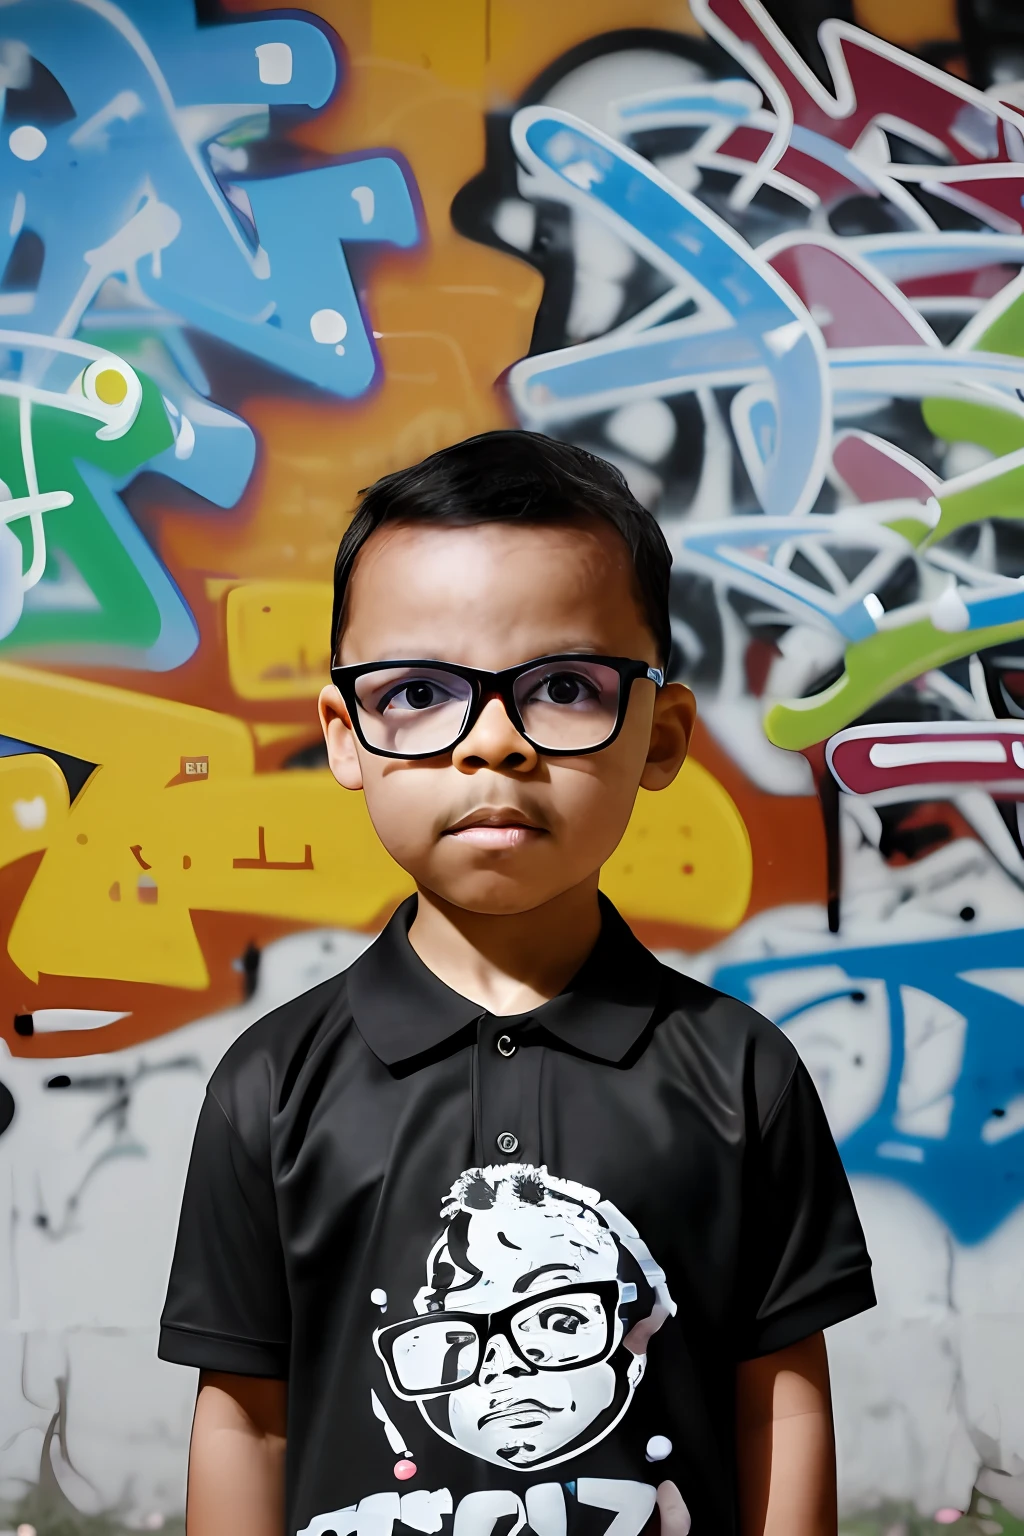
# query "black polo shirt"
(508, 1264)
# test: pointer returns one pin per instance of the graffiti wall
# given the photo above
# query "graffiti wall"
(249, 261)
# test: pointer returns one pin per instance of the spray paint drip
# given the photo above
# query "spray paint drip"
(405, 1467)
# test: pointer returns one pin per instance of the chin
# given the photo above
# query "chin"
(494, 896)
(503, 1452)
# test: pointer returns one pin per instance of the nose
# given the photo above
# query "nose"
(500, 1361)
(494, 742)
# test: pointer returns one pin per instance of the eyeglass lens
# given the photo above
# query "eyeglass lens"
(553, 1333)
(564, 705)
(562, 1331)
(412, 710)
(436, 1356)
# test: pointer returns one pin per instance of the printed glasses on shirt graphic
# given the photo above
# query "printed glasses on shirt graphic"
(559, 1331)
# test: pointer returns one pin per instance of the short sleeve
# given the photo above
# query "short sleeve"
(804, 1262)
(227, 1299)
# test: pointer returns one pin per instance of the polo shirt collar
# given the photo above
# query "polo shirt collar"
(402, 1010)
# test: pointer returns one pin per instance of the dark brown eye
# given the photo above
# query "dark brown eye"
(563, 688)
(420, 693)
(559, 1320)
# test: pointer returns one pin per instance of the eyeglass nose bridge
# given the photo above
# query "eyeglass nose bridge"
(503, 1331)
(500, 687)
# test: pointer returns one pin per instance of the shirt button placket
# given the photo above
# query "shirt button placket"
(508, 1074)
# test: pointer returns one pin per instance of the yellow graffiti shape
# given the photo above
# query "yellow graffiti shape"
(146, 842)
(278, 638)
(126, 865)
(685, 857)
(33, 804)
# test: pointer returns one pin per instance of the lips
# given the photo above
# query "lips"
(495, 827)
(524, 1413)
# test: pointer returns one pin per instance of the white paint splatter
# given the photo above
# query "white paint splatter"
(365, 201)
(27, 142)
(30, 814)
(17, 216)
(15, 65)
(275, 63)
(122, 107)
(582, 174)
(186, 439)
(50, 1021)
(658, 1447)
(784, 337)
(950, 613)
(328, 326)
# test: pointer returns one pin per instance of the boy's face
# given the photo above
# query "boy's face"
(492, 826)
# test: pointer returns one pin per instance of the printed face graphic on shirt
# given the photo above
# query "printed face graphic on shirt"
(530, 1335)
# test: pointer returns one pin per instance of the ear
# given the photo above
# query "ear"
(340, 738)
(675, 710)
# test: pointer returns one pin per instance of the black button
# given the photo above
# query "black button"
(507, 1143)
(506, 1045)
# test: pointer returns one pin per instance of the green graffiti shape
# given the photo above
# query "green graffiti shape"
(874, 667)
(125, 613)
(882, 662)
(1000, 432)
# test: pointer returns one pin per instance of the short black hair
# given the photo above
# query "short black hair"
(514, 477)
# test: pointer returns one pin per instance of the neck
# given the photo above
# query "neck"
(508, 963)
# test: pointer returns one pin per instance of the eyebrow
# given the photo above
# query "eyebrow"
(526, 1280)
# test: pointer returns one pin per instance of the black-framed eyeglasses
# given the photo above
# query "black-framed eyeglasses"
(563, 705)
(558, 1330)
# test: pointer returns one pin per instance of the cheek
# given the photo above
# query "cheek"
(591, 1390)
(403, 801)
(594, 794)
(465, 1408)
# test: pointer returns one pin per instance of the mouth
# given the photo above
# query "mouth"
(497, 827)
(525, 1413)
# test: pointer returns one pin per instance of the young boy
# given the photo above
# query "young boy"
(510, 1228)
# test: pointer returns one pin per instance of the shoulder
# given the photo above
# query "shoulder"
(732, 1039)
(252, 1079)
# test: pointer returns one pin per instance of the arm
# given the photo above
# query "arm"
(785, 1446)
(236, 1459)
